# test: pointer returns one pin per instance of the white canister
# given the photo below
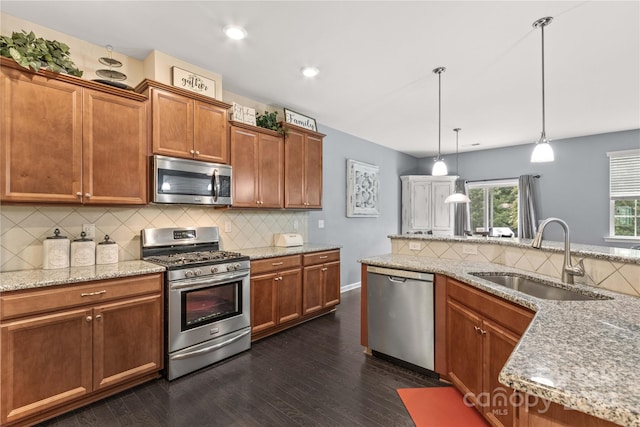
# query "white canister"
(83, 251)
(55, 251)
(106, 251)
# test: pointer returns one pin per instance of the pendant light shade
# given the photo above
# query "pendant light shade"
(542, 151)
(439, 167)
(457, 197)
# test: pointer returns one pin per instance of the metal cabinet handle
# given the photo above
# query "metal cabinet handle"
(483, 332)
(197, 153)
(277, 263)
(324, 257)
(325, 269)
(90, 294)
(98, 316)
(192, 151)
(79, 194)
(88, 318)
(477, 329)
(87, 195)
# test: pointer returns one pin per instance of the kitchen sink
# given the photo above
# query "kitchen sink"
(536, 288)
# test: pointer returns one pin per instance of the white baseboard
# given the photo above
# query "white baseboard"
(350, 287)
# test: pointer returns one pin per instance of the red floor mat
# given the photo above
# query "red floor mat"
(439, 407)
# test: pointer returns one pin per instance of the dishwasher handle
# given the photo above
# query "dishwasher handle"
(394, 279)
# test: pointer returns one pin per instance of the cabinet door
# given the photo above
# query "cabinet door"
(210, 133)
(244, 160)
(420, 200)
(312, 289)
(289, 285)
(45, 361)
(331, 284)
(264, 302)
(128, 339)
(172, 124)
(313, 172)
(497, 347)
(294, 164)
(271, 166)
(114, 166)
(40, 159)
(464, 349)
(442, 212)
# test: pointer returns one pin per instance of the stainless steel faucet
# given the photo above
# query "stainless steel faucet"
(568, 271)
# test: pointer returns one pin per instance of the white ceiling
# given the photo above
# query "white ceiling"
(376, 61)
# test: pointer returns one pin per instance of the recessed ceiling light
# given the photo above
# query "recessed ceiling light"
(234, 32)
(309, 71)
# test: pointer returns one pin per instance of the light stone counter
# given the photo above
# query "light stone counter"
(581, 354)
(28, 279)
(276, 251)
(591, 251)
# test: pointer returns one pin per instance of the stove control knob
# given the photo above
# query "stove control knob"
(188, 273)
(230, 267)
(214, 270)
(198, 272)
(236, 266)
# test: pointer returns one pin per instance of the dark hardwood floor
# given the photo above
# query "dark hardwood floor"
(315, 374)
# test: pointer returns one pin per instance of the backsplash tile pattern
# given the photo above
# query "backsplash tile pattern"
(614, 276)
(23, 228)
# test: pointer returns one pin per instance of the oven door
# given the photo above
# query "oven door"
(201, 309)
(190, 182)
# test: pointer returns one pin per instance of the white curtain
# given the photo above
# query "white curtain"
(527, 218)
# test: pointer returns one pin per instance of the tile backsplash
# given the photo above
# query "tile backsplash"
(614, 276)
(23, 228)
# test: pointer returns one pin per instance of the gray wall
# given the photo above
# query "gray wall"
(359, 237)
(575, 187)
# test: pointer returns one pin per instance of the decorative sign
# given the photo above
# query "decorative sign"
(237, 113)
(363, 186)
(249, 116)
(192, 82)
(299, 120)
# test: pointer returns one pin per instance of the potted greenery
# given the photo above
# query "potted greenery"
(36, 52)
(270, 121)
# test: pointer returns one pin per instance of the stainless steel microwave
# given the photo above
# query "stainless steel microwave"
(193, 182)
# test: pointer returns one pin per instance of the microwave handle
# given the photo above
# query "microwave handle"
(216, 185)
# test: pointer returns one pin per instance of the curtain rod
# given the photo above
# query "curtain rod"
(497, 179)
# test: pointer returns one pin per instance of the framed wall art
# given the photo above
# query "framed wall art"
(363, 188)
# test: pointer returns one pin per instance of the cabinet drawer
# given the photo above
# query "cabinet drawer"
(22, 303)
(321, 257)
(507, 314)
(275, 264)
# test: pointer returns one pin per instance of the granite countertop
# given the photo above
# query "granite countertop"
(581, 354)
(276, 251)
(592, 251)
(28, 279)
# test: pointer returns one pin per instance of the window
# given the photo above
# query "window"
(494, 204)
(624, 194)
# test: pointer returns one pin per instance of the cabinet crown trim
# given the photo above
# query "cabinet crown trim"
(148, 83)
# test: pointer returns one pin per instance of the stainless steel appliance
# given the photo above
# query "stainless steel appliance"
(207, 296)
(190, 182)
(400, 313)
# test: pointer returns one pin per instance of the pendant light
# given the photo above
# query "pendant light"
(542, 152)
(457, 197)
(439, 167)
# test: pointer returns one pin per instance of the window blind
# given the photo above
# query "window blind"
(624, 174)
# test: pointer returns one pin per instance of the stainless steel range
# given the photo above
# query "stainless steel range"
(207, 296)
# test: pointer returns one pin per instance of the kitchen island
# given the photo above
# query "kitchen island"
(580, 354)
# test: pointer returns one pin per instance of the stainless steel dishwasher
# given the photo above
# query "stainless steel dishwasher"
(400, 313)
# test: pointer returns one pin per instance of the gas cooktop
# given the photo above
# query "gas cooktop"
(196, 258)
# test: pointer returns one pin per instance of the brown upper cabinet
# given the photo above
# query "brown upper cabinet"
(68, 140)
(257, 158)
(186, 124)
(302, 168)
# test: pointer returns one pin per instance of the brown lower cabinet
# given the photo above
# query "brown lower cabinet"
(64, 347)
(285, 291)
(481, 333)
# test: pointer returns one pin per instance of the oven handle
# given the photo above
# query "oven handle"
(204, 282)
(210, 348)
